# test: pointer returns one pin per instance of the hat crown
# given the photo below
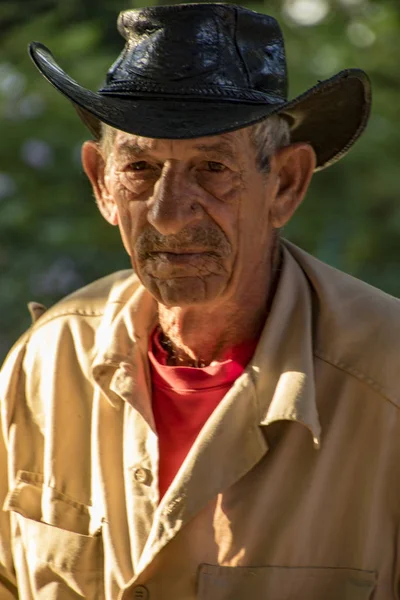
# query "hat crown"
(198, 47)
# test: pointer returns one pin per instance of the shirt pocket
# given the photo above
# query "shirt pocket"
(284, 583)
(56, 541)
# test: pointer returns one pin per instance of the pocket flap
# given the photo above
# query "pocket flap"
(32, 499)
(284, 583)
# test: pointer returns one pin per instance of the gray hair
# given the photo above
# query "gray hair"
(107, 135)
(267, 136)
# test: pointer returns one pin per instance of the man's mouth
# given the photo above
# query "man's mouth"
(181, 257)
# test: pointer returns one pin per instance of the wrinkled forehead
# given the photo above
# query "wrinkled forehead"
(230, 145)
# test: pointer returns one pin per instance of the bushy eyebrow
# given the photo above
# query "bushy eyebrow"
(222, 148)
(130, 148)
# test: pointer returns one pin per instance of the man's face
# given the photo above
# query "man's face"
(194, 215)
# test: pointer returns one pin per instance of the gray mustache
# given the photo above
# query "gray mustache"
(205, 240)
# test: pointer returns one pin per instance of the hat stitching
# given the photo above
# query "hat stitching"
(235, 94)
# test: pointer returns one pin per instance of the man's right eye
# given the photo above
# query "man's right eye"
(139, 165)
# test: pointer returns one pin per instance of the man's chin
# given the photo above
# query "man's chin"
(185, 291)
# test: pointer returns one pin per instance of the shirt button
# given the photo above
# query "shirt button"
(140, 475)
(141, 592)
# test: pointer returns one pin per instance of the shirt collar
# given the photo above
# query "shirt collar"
(121, 343)
(282, 366)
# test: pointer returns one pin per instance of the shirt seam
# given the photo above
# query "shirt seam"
(51, 313)
(77, 312)
(360, 376)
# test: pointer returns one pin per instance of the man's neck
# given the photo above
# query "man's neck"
(199, 337)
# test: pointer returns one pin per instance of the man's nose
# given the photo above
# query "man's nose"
(173, 204)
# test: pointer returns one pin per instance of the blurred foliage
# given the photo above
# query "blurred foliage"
(52, 239)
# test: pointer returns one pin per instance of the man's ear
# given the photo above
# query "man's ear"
(94, 165)
(293, 166)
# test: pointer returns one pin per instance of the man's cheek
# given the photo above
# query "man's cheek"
(224, 189)
(126, 227)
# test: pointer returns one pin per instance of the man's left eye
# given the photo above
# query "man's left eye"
(216, 167)
(139, 165)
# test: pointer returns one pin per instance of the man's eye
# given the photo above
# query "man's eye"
(139, 165)
(216, 167)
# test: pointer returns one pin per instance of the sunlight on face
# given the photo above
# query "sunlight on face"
(192, 213)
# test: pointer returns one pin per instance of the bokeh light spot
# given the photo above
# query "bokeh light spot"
(37, 154)
(360, 35)
(306, 12)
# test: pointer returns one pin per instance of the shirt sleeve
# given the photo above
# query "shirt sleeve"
(9, 385)
(8, 583)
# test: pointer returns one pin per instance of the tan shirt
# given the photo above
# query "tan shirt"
(291, 490)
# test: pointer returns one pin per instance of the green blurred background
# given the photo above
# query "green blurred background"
(52, 240)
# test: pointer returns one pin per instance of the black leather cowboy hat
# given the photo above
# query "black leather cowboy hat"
(193, 70)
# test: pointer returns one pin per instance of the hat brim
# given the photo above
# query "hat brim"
(330, 116)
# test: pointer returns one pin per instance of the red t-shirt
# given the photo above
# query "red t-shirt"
(184, 398)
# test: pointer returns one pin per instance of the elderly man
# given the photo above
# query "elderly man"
(223, 422)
